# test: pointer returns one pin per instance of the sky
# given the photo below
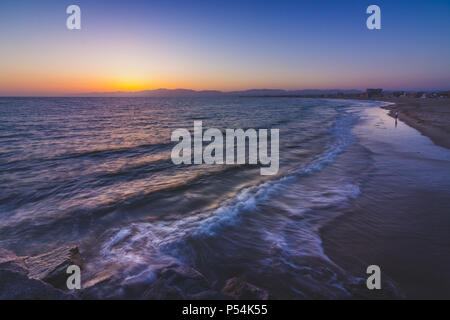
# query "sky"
(222, 45)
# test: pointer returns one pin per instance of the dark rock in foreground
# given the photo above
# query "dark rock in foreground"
(37, 277)
(242, 290)
(9, 261)
(51, 266)
(16, 285)
(171, 282)
(180, 282)
(44, 277)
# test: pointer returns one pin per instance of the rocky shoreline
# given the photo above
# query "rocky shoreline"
(37, 277)
(44, 277)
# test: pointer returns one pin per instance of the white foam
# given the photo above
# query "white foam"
(155, 235)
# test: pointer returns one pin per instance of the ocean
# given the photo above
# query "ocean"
(97, 173)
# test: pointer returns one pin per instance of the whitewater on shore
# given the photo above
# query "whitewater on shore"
(97, 172)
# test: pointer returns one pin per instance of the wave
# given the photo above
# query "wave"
(210, 223)
(275, 223)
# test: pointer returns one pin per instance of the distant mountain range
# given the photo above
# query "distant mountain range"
(162, 93)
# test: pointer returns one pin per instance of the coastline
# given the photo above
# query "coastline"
(400, 221)
(431, 117)
(397, 221)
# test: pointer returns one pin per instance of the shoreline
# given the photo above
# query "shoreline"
(431, 117)
(399, 222)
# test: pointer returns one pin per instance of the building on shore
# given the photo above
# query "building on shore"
(374, 93)
(398, 94)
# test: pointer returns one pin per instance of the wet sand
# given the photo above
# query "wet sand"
(401, 220)
(430, 116)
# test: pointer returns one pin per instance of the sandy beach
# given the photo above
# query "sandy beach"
(430, 116)
(356, 189)
(400, 222)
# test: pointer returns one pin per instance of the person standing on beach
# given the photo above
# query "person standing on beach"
(396, 117)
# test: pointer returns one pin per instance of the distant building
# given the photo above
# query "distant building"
(374, 93)
(444, 94)
(398, 93)
(418, 94)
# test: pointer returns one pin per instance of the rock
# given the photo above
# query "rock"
(170, 282)
(51, 267)
(104, 288)
(6, 255)
(101, 277)
(15, 285)
(177, 282)
(141, 281)
(10, 261)
(209, 295)
(37, 277)
(242, 290)
(126, 282)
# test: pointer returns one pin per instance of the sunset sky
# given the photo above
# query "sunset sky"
(223, 45)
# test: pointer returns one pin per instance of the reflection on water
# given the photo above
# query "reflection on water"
(97, 172)
(400, 220)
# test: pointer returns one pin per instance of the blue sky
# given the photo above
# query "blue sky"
(226, 45)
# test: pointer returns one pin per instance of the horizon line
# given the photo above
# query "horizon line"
(104, 94)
